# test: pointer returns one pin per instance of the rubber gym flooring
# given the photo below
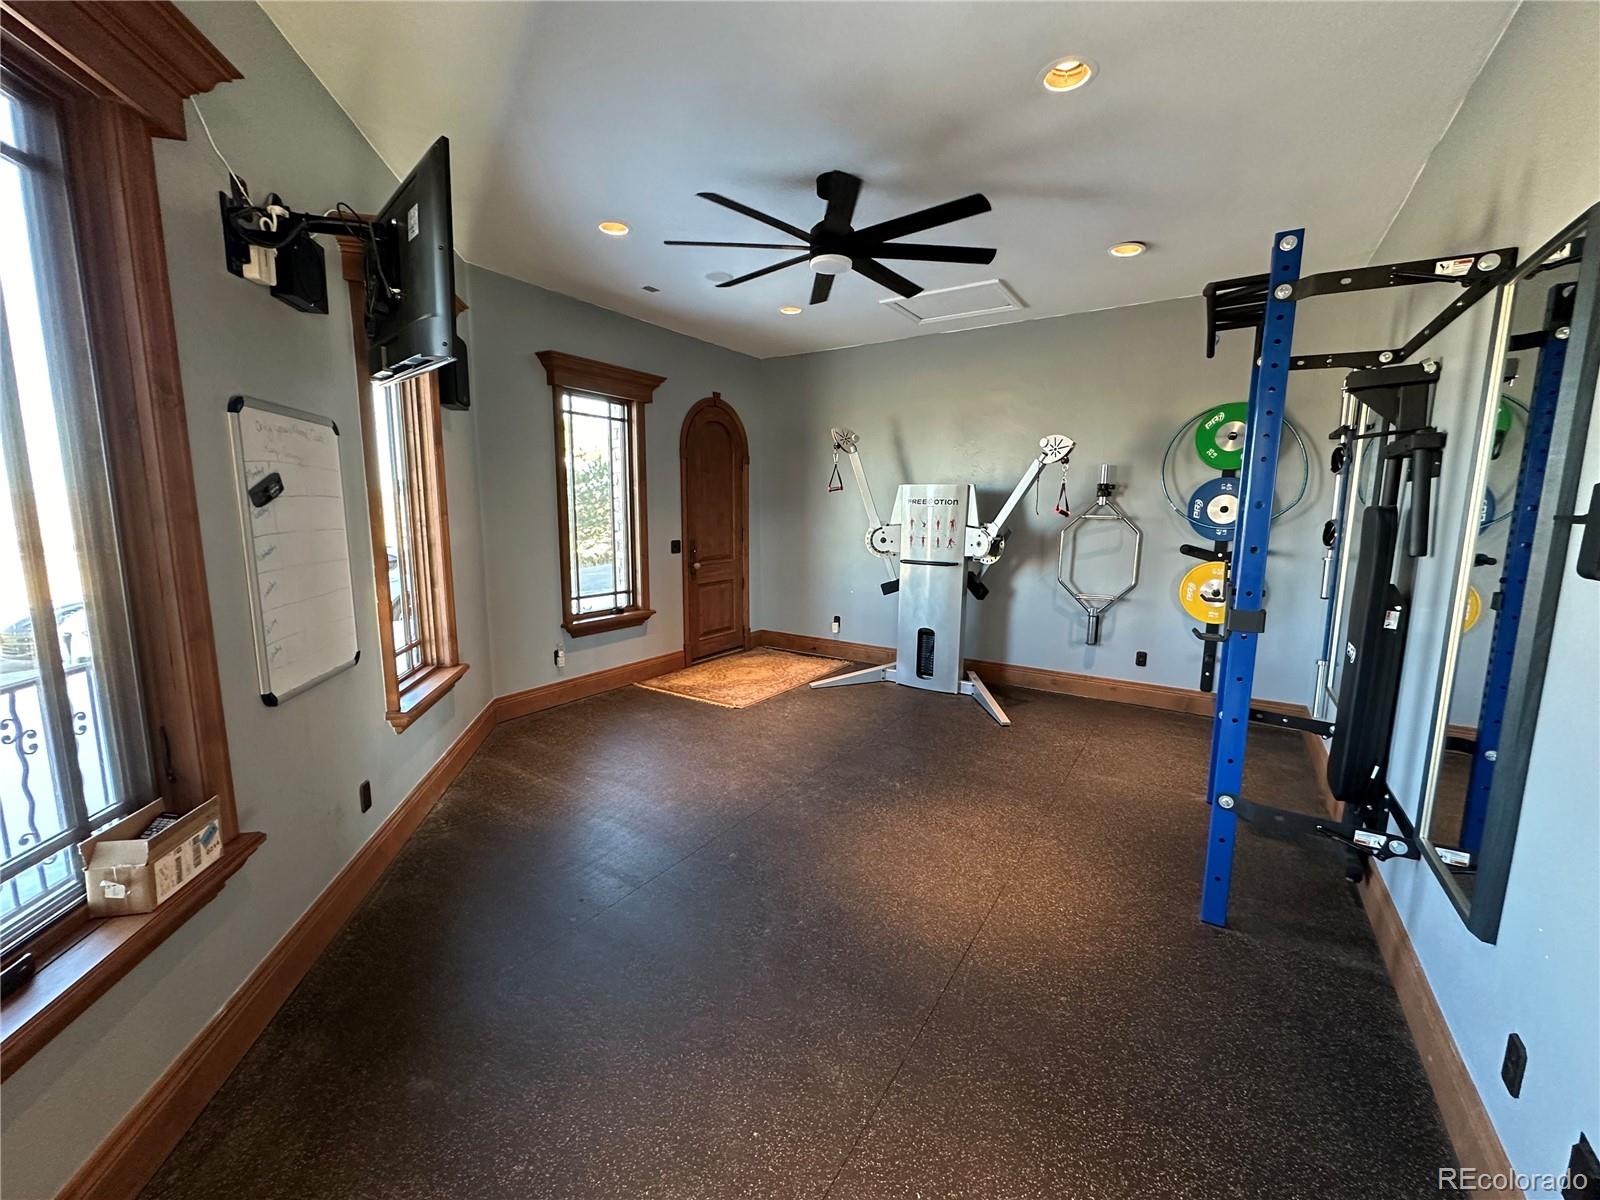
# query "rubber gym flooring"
(851, 943)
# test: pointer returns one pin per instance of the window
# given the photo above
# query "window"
(600, 492)
(411, 547)
(109, 693)
(74, 749)
(402, 439)
(416, 589)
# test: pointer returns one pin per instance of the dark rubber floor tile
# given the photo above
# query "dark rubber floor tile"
(859, 937)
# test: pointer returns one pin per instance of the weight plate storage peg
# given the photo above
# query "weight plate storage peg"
(1219, 438)
(1214, 508)
(1202, 594)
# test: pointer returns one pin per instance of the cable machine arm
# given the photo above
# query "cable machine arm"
(983, 539)
(881, 540)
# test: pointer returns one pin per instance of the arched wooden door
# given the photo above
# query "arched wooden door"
(714, 461)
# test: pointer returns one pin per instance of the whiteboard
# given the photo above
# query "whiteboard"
(297, 555)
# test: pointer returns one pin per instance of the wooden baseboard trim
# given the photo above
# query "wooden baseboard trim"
(141, 1141)
(827, 646)
(519, 704)
(1466, 1120)
(1040, 679)
(1093, 687)
(132, 1152)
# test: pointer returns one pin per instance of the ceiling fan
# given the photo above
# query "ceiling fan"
(833, 247)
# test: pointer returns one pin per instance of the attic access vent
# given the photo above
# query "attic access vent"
(991, 298)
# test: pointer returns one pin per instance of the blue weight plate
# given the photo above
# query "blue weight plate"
(1214, 508)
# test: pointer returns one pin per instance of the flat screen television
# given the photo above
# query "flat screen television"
(411, 274)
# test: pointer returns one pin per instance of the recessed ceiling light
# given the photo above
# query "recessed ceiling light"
(1066, 74)
(1127, 249)
(789, 310)
(719, 277)
(613, 228)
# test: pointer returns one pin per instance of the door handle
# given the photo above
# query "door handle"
(694, 558)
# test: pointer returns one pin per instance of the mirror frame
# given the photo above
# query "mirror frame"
(1546, 575)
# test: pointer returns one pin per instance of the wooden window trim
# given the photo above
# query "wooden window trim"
(404, 704)
(120, 75)
(569, 373)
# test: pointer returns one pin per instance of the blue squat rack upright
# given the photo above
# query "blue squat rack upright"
(1247, 572)
(1552, 349)
(1267, 304)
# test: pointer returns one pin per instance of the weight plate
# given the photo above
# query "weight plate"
(1488, 509)
(1473, 610)
(1201, 592)
(1214, 508)
(1219, 438)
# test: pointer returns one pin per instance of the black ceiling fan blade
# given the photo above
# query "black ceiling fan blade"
(884, 277)
(756, 216)
(841, 190)
(742, 245)
(820, 287)
(788, 262)
(913, 252)
(927, 218)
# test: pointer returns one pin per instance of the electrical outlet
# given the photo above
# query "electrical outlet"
(561, 656)
(1141, 659)
(836, 624)
(366, 795)
(1514, 1065)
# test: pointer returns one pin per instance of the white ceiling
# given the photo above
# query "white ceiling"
(1208, 127)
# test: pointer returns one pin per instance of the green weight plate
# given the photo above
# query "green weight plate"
(1219, 438)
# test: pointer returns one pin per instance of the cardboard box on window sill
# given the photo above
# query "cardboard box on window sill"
(129, 874)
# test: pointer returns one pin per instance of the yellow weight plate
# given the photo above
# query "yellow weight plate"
(1474, 609)
(1201, 593)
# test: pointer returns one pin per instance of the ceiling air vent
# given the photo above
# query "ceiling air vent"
(991, 299)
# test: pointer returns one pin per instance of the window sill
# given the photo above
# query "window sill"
(423, 693)
(82, 971)
(583, 626)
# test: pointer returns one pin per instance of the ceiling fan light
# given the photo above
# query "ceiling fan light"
(830, 264)
(1067, 74)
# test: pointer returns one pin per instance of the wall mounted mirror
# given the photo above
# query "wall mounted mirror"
(1509, 568)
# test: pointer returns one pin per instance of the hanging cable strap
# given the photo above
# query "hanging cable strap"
(835, 481)
(1063, 505)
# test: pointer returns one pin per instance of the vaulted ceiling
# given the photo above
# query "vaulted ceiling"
(1207, 127)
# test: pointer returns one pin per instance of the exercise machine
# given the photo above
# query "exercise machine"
(1094, 604)
(943, 550)
(1399, 393)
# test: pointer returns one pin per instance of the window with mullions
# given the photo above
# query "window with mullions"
(600, 492)
(74, 747)
(600, 536)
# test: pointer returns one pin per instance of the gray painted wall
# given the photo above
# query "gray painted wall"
(512, 322)
(972, 407)
(296, 768)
